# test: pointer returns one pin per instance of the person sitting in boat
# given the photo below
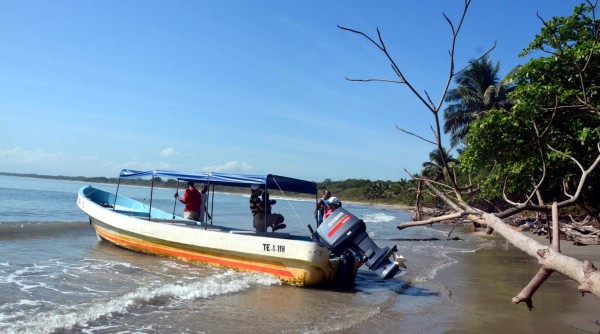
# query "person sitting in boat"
(261, 218)
(268, 201)
(191, 199)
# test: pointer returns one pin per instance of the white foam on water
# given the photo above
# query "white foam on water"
(67, 316)
(442, 260)
(22, 302)
(378, 217)
(10, 312)
(433, 230)
(337, 322)
(18, 277)
(94, 291)
(105, 264)
(99, 328)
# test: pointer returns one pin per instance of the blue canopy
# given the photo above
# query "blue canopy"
(234, 180)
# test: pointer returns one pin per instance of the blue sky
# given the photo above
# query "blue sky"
(91, 87)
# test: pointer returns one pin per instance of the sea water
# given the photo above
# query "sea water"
(56, 276)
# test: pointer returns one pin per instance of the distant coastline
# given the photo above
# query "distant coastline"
(384, 204)
(62, 177)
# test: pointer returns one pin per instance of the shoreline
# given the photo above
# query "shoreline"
(385, 206)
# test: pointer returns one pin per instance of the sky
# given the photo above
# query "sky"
(88, 88)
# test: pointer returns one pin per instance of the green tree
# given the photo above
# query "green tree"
(478, 91)
(552, 133)
(434, 168)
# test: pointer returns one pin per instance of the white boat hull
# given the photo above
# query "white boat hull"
(294, 260)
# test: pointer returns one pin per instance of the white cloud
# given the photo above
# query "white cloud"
(230, 167)
(168, 152)
(21, 160)
(18, 154)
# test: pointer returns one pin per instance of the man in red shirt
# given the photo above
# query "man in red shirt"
(191, 199)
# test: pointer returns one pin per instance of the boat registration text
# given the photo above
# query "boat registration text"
(274, 248)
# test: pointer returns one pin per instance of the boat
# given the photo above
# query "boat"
(330, 255)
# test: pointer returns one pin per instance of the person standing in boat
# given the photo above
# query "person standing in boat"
(325, 206)
(204, 204)
(192, 200)
(261, 219)
(331, 204)
(319, 210)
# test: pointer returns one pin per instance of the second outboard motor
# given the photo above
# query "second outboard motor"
(342, 230)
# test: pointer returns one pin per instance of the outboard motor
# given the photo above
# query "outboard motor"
(342, 230)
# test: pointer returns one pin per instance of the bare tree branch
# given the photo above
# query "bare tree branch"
(527, 293)
(476, 60)
(555, 228)
(413, 134)
(379, 80)
(430, 220)
(392, 62)
(584, 174)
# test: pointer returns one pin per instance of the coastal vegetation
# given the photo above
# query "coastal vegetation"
(355, 190)
(527, 143)
(478, 91)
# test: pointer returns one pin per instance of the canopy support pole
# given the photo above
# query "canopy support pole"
(175, 202)
(116, 194)
(212, 204)
(265, 204)
(151, 192)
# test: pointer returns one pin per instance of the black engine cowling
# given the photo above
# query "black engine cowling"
(343, 231)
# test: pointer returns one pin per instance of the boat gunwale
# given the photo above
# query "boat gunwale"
(136, 225)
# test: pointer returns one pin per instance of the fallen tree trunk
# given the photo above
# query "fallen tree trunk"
(430, 220)
(549, 257)
(583, 273)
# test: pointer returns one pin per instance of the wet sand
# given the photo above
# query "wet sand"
(482, 284)
(474, 295)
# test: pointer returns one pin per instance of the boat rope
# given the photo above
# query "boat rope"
(288, 201)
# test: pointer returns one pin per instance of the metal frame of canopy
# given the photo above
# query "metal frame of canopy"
(268, 181)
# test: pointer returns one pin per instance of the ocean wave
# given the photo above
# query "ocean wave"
(36, 229)
(68, 316)
(378, 217)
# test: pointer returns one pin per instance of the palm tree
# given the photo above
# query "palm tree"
(434, 168)
(478, 91)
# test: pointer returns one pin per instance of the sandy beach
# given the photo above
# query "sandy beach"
(483, 283)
